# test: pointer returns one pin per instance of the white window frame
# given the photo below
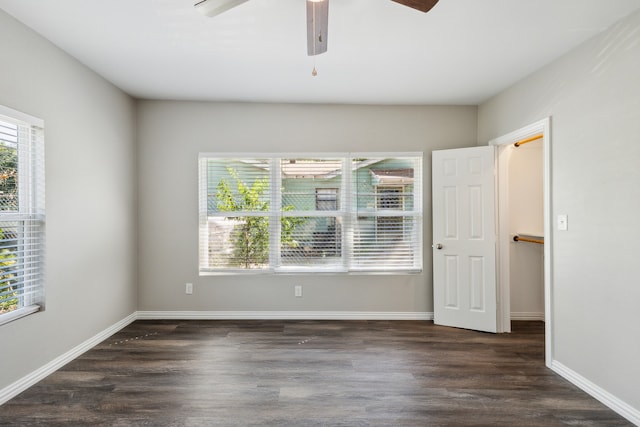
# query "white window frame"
(347, 212)
(30, 214)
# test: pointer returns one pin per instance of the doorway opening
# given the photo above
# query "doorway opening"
(524, 218)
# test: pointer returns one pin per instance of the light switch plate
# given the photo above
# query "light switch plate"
(563, 222)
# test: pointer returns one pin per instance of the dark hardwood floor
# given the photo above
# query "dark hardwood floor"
(309, 373)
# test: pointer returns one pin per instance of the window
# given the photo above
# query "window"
(300, 212)
(21, 215)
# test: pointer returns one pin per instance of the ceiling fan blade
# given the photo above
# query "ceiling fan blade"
(216, 7)
(421, 5)
(317, 26)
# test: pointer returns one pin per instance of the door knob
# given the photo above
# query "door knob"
(438, 246)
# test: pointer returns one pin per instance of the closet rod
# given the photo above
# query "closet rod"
(530, 139)
(526, 239)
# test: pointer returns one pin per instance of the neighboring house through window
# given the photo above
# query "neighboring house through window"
(389, 198)
(327, 241)
(392, 184)
(326, 199)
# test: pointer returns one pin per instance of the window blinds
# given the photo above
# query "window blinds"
(303, 212)
(21, 215)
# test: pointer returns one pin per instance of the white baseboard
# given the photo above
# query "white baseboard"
(285, 315)
(526, 315)
(627, 411)
(12, 390)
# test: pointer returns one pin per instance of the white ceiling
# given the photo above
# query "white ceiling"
(461, 52)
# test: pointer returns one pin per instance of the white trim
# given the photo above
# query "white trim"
(39, 374)
(622, 408)
(543, 126)
(12, 114)
(284, 315)
(503, 285)
(525, 315)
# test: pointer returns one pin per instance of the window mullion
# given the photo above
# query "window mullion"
(347, 212)
(203, 213)
(275, 213)
(24, 170)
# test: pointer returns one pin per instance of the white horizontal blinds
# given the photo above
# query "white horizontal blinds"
(237, 208)
(21, 217)
(387, 213)
(304, 212)
(8, 167)
(311, 219)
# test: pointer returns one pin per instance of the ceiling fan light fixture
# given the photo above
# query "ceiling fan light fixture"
(216, 7)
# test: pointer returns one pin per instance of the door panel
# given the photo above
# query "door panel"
(451, 283)
(451, 207)
(464, 238)
(477, 283)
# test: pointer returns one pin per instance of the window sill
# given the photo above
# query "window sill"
(17, 314)
(302, 272)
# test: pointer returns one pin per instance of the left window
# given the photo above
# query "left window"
(22, 214)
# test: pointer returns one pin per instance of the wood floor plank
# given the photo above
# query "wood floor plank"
(309, 373)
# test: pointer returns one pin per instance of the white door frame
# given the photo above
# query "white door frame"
(503, 286)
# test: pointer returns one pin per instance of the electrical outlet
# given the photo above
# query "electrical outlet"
(188, 289)
(297, 290)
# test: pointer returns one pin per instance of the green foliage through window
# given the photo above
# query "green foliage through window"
(251, 234)
(8, 289)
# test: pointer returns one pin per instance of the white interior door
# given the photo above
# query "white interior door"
(464, 238)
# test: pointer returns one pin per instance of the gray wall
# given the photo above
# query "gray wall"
(172, 133)
(593, 96)
(90, 198)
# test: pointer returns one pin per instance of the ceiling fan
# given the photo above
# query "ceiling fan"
(317, 17)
